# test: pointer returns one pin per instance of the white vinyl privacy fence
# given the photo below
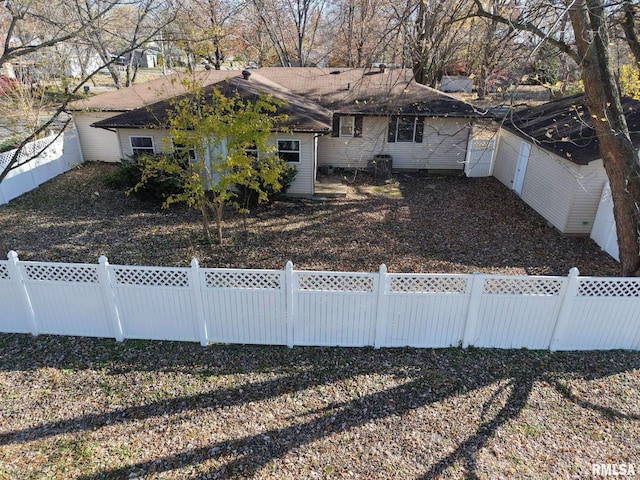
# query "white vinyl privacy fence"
(290, 307)
(38, 162)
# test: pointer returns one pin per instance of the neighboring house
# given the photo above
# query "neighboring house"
(549, 156)
(337, 118)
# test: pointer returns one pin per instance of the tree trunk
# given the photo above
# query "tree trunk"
(616, 149)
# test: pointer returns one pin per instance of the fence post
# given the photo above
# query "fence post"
(196, 298)
(289, 293)
(109, 298)
(16, 275)
(477, 285)
(568, 299)
(382, 311)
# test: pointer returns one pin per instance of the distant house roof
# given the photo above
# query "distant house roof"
(302, 115)
(565, 127)
(143, 94)
(371, 91)
(350, 91)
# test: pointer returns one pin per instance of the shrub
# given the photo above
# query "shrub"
(156, 189)
(248, 197)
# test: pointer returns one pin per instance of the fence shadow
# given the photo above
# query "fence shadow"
(429, 376)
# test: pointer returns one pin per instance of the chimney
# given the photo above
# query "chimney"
(382, 67)
(246, 74)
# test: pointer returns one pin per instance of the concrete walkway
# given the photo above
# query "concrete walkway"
(330, 186)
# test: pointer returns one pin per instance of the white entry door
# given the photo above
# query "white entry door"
(523, 158)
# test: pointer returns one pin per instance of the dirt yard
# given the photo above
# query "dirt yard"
(418, 223)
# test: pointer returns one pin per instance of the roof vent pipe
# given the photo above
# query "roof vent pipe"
(246, 74)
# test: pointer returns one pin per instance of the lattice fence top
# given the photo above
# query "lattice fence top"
(61, 273)
(334, 282)
(151, 278)
(423, 284)
(523, 286)
(257, 280)
(609, 288)
(4, 271)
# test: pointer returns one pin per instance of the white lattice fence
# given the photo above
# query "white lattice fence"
(516, 312)
(605, 313)
(288, 307)
(53, 156)
(426, 310)
(154, 302)
(67, 299)
(244, 306)
(334, 308)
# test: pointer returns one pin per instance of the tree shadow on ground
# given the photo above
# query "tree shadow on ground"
(431, 376)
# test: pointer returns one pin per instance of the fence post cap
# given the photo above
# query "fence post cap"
(289, 265)
(194, 263)
(103, 260)
(12, 255)
(383, 268)
(574, 272)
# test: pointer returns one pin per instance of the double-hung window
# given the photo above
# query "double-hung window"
(347, 126)
(251, 150)
(141, 145)
(406, 129)
(289, 150)
(183, 152)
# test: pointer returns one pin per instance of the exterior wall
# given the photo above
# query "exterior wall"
(506, 161)
(98, 145)
(444, 146)
(564, 193)
(591, 180)
(303, 184)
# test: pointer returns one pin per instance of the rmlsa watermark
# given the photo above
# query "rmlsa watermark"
(614, 469)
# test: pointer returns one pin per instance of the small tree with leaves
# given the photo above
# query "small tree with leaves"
(210, 133)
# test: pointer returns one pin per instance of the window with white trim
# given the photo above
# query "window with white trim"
(289, 150)
(251, 150)
(141, 145)
(183, 151)
(347, 126)
(406, 129)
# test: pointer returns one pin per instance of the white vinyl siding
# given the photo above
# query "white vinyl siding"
(303, 184)
(161, 140)
(444, 146)
(98, 144)
(564, 193)
(591, 180)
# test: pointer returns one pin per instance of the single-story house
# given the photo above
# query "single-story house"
(338, 118)
(549, 156)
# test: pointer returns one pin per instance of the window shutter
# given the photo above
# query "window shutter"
(336, 126)
(393, 123)
(419, 129)
(357, 128)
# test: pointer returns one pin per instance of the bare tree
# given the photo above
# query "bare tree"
(33, 31)
(591, 52)
(431, 33)
(292, 26)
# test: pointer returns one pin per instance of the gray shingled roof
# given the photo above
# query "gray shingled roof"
(303, 115)
(369, 91)
(564, 127)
